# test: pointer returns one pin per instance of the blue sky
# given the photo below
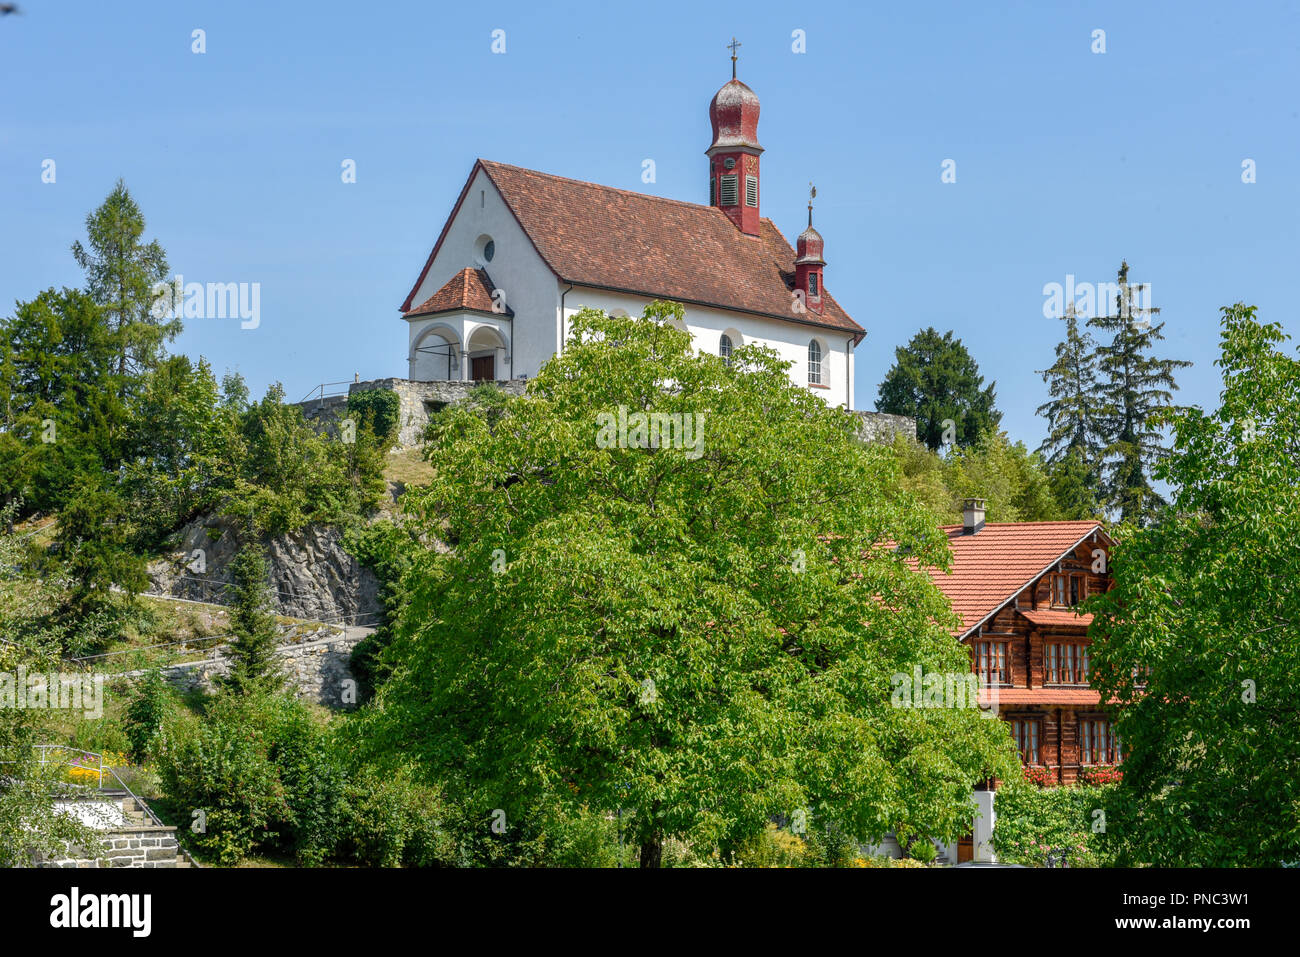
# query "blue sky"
(1066, 160)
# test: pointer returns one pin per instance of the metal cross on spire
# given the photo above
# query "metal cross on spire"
(734, 45)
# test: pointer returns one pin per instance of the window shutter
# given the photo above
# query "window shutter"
(729, 188)
(713, 191)
(751, 190)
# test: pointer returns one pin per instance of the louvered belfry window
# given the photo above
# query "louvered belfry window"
(751, 190)
(729, 186)
(713, 191)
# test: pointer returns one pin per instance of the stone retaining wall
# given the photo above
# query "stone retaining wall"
(146, 845)
(320, 670)
(416, 400)
(880, 427)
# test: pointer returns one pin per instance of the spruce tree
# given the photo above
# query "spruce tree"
(1135, 387)
(253, 663)
(1072, 424)
(1074, 444)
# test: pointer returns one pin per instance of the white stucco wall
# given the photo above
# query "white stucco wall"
(530, 287)
(706, 325)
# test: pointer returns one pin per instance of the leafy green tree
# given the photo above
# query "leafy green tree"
(284, 474)
(1202, 627)
(703, 632)
(183, 443)
(1136, 388)
(254, 666)
(1014, 481)
(1007, 475)
(935, 380)
(121, 272)
(28, 821)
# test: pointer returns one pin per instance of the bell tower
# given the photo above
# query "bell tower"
(809, 263)
(734, 185)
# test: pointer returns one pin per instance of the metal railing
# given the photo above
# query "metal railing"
(327, 390)
(102, 768)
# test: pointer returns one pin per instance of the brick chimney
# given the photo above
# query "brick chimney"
(972, 515)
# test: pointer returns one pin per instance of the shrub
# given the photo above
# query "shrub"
(1033, 821)
(586, 839)
(145, 714)
(378, 409)
(830, 846)
(773, 847)
(219, 768)
(390, 821)
(314, 782)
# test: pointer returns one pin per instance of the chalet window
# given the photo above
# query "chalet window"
(812, 284)
(751, 190)
(1067, 663)
(991, 662)
(730, 189)
(724, 348)
(1026, 732)
(814, 363)
(1098, 742)
(1069, 590)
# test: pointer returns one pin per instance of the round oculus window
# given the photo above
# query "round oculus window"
(489, 250)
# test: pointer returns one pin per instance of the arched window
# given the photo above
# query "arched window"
(724, 348)
(814, 363)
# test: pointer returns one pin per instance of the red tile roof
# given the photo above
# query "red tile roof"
(1018, 696)
(468, 289)
(592, 235)
(1057, 617)
(994, 565)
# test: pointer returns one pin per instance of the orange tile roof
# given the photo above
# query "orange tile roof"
(468, 289)
(1057, 617)
(994, 565)
(1019, 696)
(592, 235)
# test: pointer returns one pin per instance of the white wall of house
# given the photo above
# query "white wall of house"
(529, 285)
(707, 325)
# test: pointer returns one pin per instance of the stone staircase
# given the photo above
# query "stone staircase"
(131, 839)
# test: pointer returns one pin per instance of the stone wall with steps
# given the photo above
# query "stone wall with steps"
(137, 843)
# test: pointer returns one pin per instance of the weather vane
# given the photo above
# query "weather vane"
(812, 194)
(734, 45)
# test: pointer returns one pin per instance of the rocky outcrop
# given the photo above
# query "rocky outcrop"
(312, 575)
